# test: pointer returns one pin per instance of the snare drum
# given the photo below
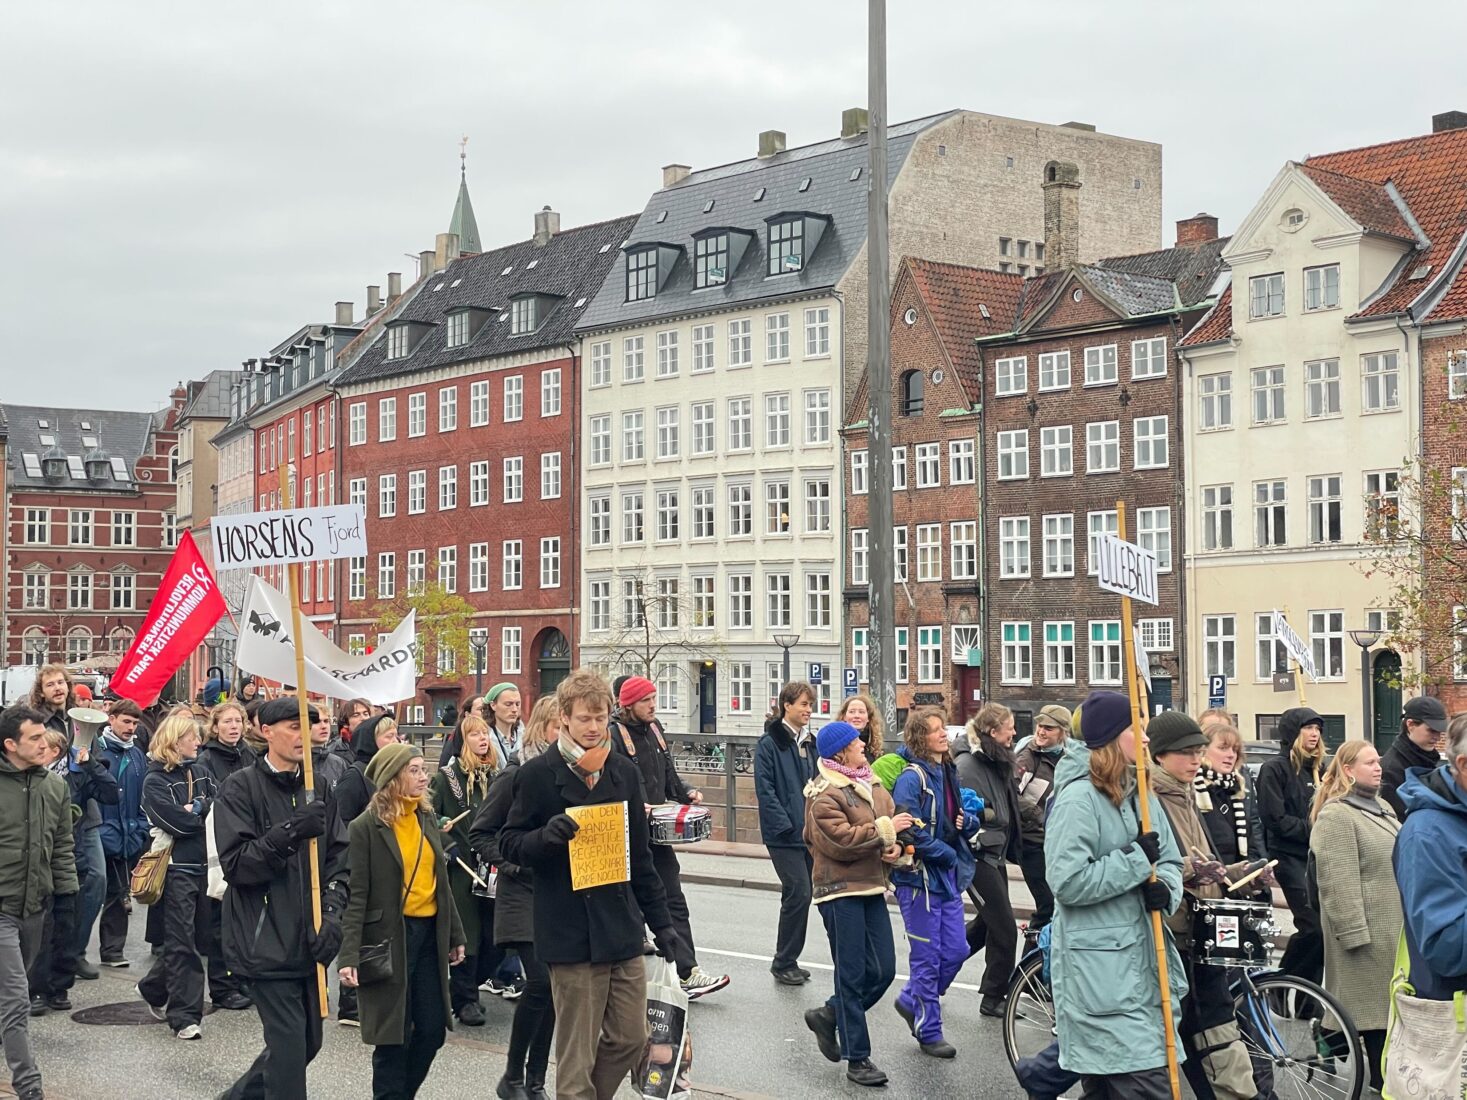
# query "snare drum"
(674, 824)
(1232, 932)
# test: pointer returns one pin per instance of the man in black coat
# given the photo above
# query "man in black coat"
(1423, 737)
(263, 820)
(636, 734)
(590, 938)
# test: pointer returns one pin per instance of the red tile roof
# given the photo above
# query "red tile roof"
(955, 296)
(1368, 203)
(1216, 324)
(1430, 173)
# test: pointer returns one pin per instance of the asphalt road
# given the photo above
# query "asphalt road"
(749, 1040)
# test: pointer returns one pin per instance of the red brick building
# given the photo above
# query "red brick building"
(938, 311)
(91, 526)
(1444, 450)
(458, 432)
(1082, 409)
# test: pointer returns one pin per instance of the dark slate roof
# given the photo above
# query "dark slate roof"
(209, 398)
(675, 213)
(1191, 268)
(570, 267)
(1137, 295)
(121, 435)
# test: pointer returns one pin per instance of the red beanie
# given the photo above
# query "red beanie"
(635, 690)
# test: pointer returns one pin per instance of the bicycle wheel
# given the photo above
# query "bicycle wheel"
(1300, 1034)
(1028, 1011)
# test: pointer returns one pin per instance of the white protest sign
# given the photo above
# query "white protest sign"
(296, 534)
(1126, 569)
(267, 649)
(1294, 644)
(1143, 659)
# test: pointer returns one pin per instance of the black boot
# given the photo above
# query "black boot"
(535, 1085)
(511, 1089)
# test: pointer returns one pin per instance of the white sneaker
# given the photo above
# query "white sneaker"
(700, 983)
(191, 1031)
(156, 1012)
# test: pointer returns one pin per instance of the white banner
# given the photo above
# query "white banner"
(1296, 646)
(282, 537)
(1126, 569)
(267, 649)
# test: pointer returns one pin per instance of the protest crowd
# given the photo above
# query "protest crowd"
(439, 881)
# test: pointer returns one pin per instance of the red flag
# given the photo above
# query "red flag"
(184, 610)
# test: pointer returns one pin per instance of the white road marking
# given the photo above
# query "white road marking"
(813, 965)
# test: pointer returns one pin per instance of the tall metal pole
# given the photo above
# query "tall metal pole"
(881, 636)
(1368, 733)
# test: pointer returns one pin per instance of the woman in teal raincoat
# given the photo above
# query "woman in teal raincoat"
(1098, 862)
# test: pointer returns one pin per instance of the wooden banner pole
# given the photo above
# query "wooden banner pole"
(293, 571)
(1143, 802)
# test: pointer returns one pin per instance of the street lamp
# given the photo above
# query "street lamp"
(1365, 639)
(479, 643)
(786, 642)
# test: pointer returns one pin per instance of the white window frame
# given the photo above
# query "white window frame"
(1014, 549)
(1059, 652)
(1215, 402)
(1011, 376)
(1150, 442)
(1013, 454)
(1057, 451)
(961, 468)
(1054, 371)
(1102, 447)
(1016, 663)
(1150, 355)
(1101, 367)
(1058, 551)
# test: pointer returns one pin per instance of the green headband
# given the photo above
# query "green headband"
(497, 690)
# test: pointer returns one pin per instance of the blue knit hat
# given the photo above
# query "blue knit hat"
(1105, 715)
(833, 737)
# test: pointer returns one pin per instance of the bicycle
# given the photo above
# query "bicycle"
(1291, 1028)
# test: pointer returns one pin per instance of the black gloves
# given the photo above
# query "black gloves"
(1155, 895)
(669, 943)
(325, 944)
(308, 821)
(1150, 843)
(560, 828)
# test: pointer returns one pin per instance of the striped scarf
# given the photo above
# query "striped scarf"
(585, 764)
(1214, 787)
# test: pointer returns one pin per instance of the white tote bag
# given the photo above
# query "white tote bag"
(1426, 1046)
(217, 885)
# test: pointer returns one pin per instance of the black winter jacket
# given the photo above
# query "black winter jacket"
(601, 924)
(219, 761)
(178, 807)
(91, 786)
(514, 897)
(268, 904)
(781, 769)
(1285, 795)
(352, 790)
(1403, 755)
(989, 770)
(644, 746)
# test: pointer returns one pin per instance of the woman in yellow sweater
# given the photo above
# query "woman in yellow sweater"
(402, 930)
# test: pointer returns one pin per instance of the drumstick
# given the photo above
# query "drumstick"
(457, 819)
(470, 870)
(1249, 878)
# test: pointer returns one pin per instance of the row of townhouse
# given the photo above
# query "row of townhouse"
(640, 444)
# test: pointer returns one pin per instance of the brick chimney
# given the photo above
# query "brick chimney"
(771, 142)
(1061, 215)
(425, 263)
(343, 313)
(374, 299)
(1448, 120)
(1198, 229)
(547, 225)
(854, 121)
(673, 174)
(394, 286)
(445, 250)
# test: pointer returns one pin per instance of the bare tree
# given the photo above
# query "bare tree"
(656, 623)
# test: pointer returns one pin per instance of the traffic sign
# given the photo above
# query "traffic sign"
(1217, 691)
(816, 673)
(851, 677)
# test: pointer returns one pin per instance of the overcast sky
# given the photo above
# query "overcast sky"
(182, 185)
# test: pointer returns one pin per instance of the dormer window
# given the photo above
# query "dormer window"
(786, 246)
(522, 316)
(458, 328)
(397, 342)
(710, 260)
(641, 274)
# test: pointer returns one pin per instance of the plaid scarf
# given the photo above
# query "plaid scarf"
(585, 764)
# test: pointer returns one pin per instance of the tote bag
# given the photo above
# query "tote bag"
(1426, 1044)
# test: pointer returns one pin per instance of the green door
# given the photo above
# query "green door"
(1387, 702)
(553, 665)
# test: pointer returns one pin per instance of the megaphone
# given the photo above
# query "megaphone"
(86, 724)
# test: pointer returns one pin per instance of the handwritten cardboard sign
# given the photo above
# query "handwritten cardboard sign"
(292, 535)
(601, 852)
(1126, 569)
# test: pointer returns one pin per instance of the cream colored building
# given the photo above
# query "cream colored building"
(717, 362)
(1301, 404)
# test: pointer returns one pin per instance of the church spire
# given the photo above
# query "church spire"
(463, 222)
